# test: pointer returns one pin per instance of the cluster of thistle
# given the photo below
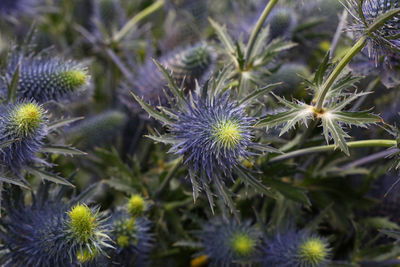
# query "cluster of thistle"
(130, 229)
(27, 83)
(49, 232)
(225, 242)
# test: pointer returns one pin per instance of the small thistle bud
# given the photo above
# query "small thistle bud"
(297, 249)
(228, 243)
(282, 22)
(24, 124)
(133, 239)
(313, 251)
(290, 75)
(383, 40)
(136, 206)
(44, 79)
(97, 130)
(82, 223)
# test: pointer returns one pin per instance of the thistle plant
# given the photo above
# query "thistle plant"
(46, 79)
(249, 61)
(297, 249)
(211, 133)
(228, 243)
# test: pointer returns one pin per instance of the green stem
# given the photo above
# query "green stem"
(169, 177)
(257, 29)
(338, 69)
(136, 19)
(354, 144)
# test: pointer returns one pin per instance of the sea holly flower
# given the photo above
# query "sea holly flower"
(225, 242)
(189, 65)
(23, 127)
(212, 134)
(295, 249)
(133, 239)
(385, 38)
(45, 79)
(51, 233)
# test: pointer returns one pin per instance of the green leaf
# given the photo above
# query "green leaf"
(258, 93)
(359, 118)
(320, 74)
(48, 176)
(176, 91)
(223, 36)
(152, 112)
(61, 123)
(249, 179)
(58, 149)
(13, 181)
(333, 129)
(166, 139)
(380, 223)
(295, 193)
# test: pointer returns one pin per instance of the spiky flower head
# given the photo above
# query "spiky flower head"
(296, 249)
(40, 234)
(136, 205)
(212, 134)
(384, 38)
(229, 243)
(133, 238)
(188, 65)
(24, 126)
(45, 79)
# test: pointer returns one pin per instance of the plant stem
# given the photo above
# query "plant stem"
(169, 177)
(257, 28)
(354, 144)
(136, 19)
(338, 69)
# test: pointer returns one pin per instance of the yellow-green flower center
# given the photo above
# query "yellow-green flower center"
(86, 255)
(28, 117)
(242, 244)
(313, 250)
(227, 133)
(123, 241)
(82, 222)
(76, 78)
(136, 205)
